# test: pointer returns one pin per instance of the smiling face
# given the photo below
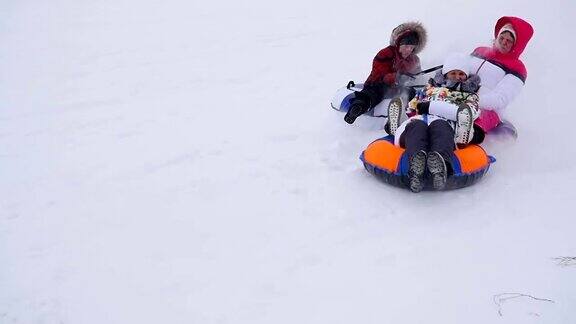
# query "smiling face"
(406, 50)
(456, 76)
(504, 42)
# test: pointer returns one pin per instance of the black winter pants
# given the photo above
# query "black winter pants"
(372, 94)
(438, 136)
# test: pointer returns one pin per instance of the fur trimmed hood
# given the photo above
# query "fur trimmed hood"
(406, 28)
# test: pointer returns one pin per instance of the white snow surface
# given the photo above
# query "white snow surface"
(178, 162)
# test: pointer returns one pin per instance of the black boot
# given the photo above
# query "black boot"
(356, 109)
(416, 171)
(479, 135)
(438, 170)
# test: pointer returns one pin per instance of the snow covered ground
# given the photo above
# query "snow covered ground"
(177, 162)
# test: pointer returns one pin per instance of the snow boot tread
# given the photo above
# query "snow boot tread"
(394, 114)
(416, 171)
(438, 170)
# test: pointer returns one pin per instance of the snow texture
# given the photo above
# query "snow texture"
(178, 162)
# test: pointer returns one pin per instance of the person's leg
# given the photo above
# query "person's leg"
(479, 135)
(357, 108)
(415, 140)
(488, 120)
(442, 138)
(442, 147)
(415, 137)
(367, 98)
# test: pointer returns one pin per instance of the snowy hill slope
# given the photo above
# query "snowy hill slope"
(178, 162)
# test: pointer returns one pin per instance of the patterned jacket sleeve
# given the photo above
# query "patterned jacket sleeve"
(449, 110)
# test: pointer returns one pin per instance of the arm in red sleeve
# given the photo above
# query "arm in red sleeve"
(382, 65)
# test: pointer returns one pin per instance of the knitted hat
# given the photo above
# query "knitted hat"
(410, 38)
(456, 61)
(508, 28)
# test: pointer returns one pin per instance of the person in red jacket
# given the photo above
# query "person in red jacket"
(384, 81)
(502, 72)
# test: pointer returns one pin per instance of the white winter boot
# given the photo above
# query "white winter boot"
(464, 125)
(395, 114)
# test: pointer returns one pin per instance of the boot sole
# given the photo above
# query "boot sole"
(416, 171)
(354, 112)
(437, 168)
(394, 109)
(463, 124)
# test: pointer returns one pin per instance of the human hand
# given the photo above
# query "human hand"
(412, 104)
(422, 108)
(390, 78)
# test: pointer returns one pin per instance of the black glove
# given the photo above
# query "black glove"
(423, 107)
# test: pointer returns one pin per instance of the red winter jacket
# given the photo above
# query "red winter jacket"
(388, 62)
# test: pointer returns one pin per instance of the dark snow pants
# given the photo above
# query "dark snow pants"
(372, 94)
(438, 136)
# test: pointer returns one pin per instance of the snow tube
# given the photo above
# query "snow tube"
(389, 163)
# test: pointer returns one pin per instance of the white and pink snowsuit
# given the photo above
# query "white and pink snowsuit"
(503, 75)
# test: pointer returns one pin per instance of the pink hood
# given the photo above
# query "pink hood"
(510, 62)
